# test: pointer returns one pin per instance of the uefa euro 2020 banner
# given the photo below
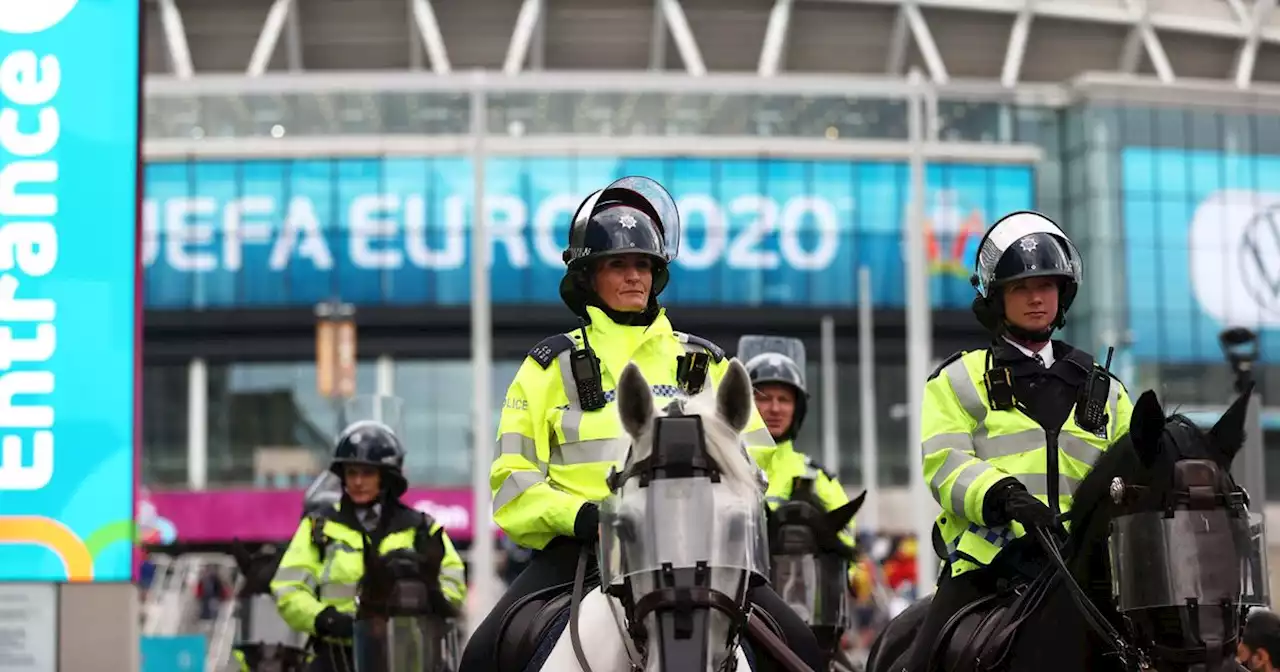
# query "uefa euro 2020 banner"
(372, 231)
(68, 238)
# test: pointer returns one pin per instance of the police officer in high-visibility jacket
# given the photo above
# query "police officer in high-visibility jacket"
(315, 584)
(1010, 431)
(559, 434)
(776, 366)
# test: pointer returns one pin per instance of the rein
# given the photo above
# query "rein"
(1095, 619)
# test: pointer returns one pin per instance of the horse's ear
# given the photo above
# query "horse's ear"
(1146, 426)
(241, 555)
(635, 401)
(839, 518)
(734, 400)
(1229, 431)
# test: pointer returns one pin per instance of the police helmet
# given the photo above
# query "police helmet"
(372, 443)
(774, 367)
(634, 215)
(1021, 245)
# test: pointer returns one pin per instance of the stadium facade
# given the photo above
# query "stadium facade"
(305, 151)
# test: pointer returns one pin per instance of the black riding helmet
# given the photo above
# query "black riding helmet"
(634, 215)
(773, 367)
(1021, 245)
(374, 444)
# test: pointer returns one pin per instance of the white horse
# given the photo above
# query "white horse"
(710, 512)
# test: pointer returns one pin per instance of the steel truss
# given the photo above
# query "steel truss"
(1249, 22)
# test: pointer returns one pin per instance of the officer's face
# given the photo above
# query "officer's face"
(777, 405)
(622, 282)
(362, 482)
(1032, 303)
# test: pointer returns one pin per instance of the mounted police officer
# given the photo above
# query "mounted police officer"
(777, 369)
(315, 585)
(559, 434)
(1010, 431)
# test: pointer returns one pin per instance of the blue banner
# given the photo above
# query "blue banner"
(1202, 250)
(69, 77)
(178, 653)
(395, 231)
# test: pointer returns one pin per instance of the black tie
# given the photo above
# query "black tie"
(1039, 359)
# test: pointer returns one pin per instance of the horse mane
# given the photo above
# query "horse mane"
(720, 407)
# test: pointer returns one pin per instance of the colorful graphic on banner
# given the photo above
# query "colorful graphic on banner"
(273, 515)
(395, 230)
(1202, 250)
(68, 229)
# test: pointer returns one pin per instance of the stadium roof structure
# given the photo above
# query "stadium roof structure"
(1009, 41)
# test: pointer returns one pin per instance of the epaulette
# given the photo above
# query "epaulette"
(945, 363)
(810, 462)
(717, 353)
(548, 349)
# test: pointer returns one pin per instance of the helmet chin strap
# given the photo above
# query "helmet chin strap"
(1022, 334)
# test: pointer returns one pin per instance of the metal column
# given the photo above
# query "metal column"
(870, 516)
(919, 333)
(830, 427)
(482, 436)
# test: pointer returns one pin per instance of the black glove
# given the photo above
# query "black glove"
(333, 623)
(1009, 500)
(586, 527)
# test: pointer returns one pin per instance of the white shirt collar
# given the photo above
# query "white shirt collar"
(1045, 352)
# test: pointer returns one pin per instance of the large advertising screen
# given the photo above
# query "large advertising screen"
(1202, 250)
(395, 231)
(68, 269)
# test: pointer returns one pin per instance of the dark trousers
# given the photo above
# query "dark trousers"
(556, 564)
(953, 594)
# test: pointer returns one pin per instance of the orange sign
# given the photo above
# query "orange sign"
(345, 357)
(326, 364)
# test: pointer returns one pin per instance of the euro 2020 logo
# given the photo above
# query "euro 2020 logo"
(24, 17)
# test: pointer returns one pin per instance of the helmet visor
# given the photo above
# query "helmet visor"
(657, 198)
(1025, 245)
(380, 408)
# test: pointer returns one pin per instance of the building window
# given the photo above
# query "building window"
(164, 425)
(262, 416)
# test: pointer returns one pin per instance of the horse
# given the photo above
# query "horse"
(810, 568)
(682, 540)
(256, 571)
(404, 621)
(1158, 549)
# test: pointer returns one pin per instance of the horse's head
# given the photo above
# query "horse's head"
(810, 567)
(256, 568)
(262, 657)
(1180, 541)
(683, 534)
(401, 614)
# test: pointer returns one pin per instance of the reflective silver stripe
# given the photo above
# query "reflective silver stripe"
(514, 443)
(990, 447)
(966, 391)
(774, 499)
(1115, 392)
(281, 591)
(956, 441)
(454, 574)
(295, 574)
(955, 460)
(811, 471)
(339, 591)
(1038, 484)
(586, 452)
(964, 480)
(516, 483)
(759, 438)
(571, 419)
(1078, 449)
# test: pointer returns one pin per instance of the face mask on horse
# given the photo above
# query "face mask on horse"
(1163, 559)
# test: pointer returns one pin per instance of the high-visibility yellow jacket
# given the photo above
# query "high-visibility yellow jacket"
(553, 456)
(782, 464)
(308, 580)
(968, 447)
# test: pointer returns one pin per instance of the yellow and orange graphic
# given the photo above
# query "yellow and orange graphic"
(949, 231)
(77, 554)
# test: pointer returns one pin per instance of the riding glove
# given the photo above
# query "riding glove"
(1009, 500)
(586, 527)
(333, 623)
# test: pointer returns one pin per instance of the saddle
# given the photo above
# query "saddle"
(527, 622)
(979, 637)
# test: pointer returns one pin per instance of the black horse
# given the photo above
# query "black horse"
(810, 567)
(1161, 508)
(404, 621)
(256, 571)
